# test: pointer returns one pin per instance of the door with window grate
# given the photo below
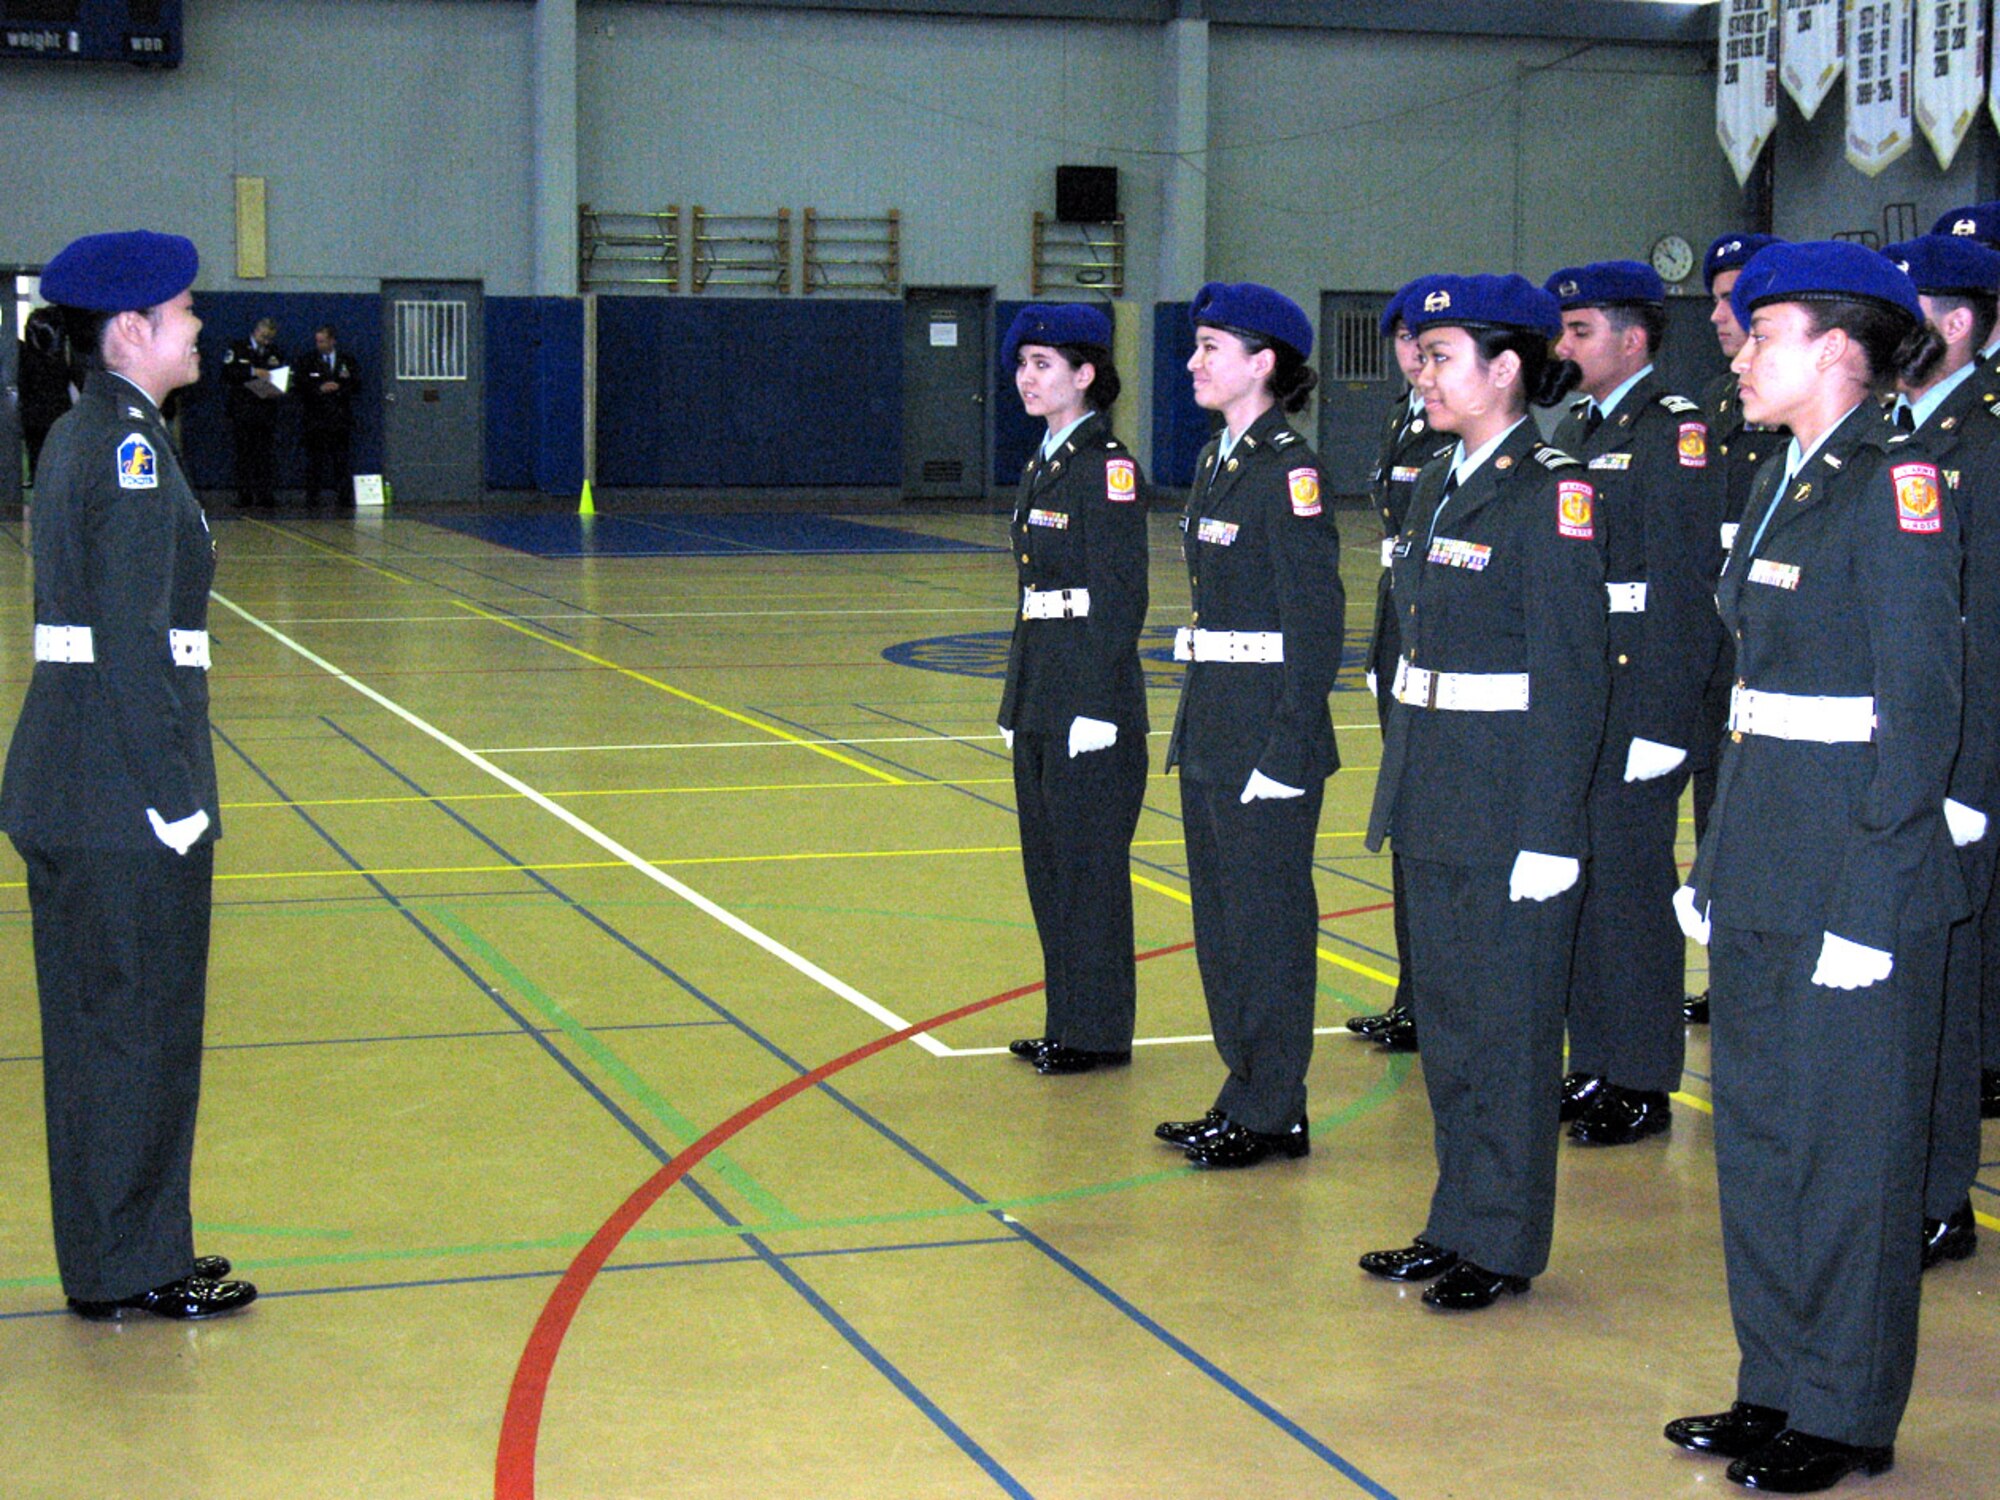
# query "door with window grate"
(433, 428)
(946, 375)
(1358, 379)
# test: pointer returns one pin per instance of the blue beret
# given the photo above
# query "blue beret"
(1731, 252)
(1395, 312)
(1976, 221)
(1054, 324)
(1249, 308)
(1942, 264)
(1606, 281)
(126, 272)
(1822, 271)
(1481, 302)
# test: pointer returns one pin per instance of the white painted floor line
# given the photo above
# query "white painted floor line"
(1137, 1041)
(1000, 612)
(603, 840)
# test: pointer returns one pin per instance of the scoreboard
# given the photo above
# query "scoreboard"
(146, 32)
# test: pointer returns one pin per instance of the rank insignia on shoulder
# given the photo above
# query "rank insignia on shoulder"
(1283, 438)
(1832, 461)
(1694, 445)
(1918, 507)
(1575, 506)
(1121, 480)
(138, 468)
(1304, 487)
(135, 414)
(1679, 405)
(1948, 423)
(1554, 458)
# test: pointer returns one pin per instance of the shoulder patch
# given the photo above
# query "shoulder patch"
(1121, 480)
(1917, 504)
(1693, 445)
(1679, 405)
(1554, 458)
(1304, 487)
(1576, 505)
(138, 466)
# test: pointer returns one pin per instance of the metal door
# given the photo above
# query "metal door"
(13, 453)
(946, 374)
(1357, 380)
(433, 393)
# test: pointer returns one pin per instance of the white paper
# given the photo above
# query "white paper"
(1950, 72)
(1810, 50)
(280, 377)
(1881, 41)
(1746, 86)
(944, 335)
(367, 489)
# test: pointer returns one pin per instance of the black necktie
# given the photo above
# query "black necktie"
(1593, 417)
(1906, 417)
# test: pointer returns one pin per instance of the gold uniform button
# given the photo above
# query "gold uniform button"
(1736, 735)
(1024, 557)
(1623, 659)
(1195, 618)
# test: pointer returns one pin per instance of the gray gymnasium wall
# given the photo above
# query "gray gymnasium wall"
(1821, 195)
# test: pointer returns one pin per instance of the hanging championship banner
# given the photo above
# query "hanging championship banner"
(1993, 76)
(1809, 50)
(1950, 72)
(1746, 86)
(1881, 38)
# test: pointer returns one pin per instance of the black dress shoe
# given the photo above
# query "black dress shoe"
(1620, 1116)
(1373, 1026)
(1400, 1035)
(185, 1301)
(1989, 1093)
(1580, 1090)
(1956, 1238)
(1057, 1058)
(1795, 1463)
(1694, 1009)
(1240, 1146)
(1186, 1133)
(1418, 1261)
(1028, 1048)
(1735, 1433)
(1467, 1288)
(212, 1267)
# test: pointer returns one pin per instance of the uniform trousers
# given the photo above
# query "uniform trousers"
(121, 961)
(1256, 941)
(256, 461)
(1077, 820)
(329, 465)
(1989, 975)
(1822, 1101)
(1954, 1138)
(1489, 1007)
(1630, 971)
(1400, 918)
(1711, 725)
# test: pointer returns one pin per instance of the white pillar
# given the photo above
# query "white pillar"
(555, 148)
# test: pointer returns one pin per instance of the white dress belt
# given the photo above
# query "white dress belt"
(1389, 549)
(1472, 692)
(1266, 646)
(73, 644)
(1799, 716)
(1054, 604)
(1729, 530)
(1626, 598)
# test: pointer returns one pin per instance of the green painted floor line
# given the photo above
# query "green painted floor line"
(684, 1130)
(273, 1231)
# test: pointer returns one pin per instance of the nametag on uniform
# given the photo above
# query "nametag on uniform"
(1618, 461)
(1917, 504)
(1056, 518)
(1575, 508)
(1453, 553)
(1121, 479)
(138, 467)
(1304, 486)
(1404, 474)
(1778, 575)
(1694, 445)
(1221, 533)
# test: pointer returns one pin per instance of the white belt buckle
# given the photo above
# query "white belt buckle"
(1729, 530)
(1626, 598)
(1389, 550)
(65, 644)
(189, 648)
(1183, 644)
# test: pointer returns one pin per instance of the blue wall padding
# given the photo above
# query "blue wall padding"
(558, 396)
(1180, 428)
(513, 415)
(763, 392)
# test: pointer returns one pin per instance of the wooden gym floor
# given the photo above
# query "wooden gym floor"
(575, 885)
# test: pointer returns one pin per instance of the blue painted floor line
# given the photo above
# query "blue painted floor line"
(655, 535)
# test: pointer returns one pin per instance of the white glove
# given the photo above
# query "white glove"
(180, 834)
(1967, 824)
(1259, 786)
(1537, 877)
(1849, 966)
(1006, 736)
(1694, 923)
(1086, 735)
(1373, 690)
(1647, 759)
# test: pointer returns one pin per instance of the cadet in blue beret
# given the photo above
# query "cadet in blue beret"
(1074, 708)
(1827, 881)
(1954, 412)
(1979, 222)
(1661, 503)
(109, 792)
(1408, 443)
(1741, 448)
(1252, 737)
(1499, 706)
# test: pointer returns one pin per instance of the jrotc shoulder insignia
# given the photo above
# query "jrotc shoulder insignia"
(1693, 445)
(1304, 487)
(1918, 508)
(138, 467)
(1283, 438)
(1992, 407)
(1554, 458)
(1680, 406)
(1121, 480)
(135, 414)
(1575, 508)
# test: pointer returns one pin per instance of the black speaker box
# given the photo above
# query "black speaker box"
(1086, 195)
